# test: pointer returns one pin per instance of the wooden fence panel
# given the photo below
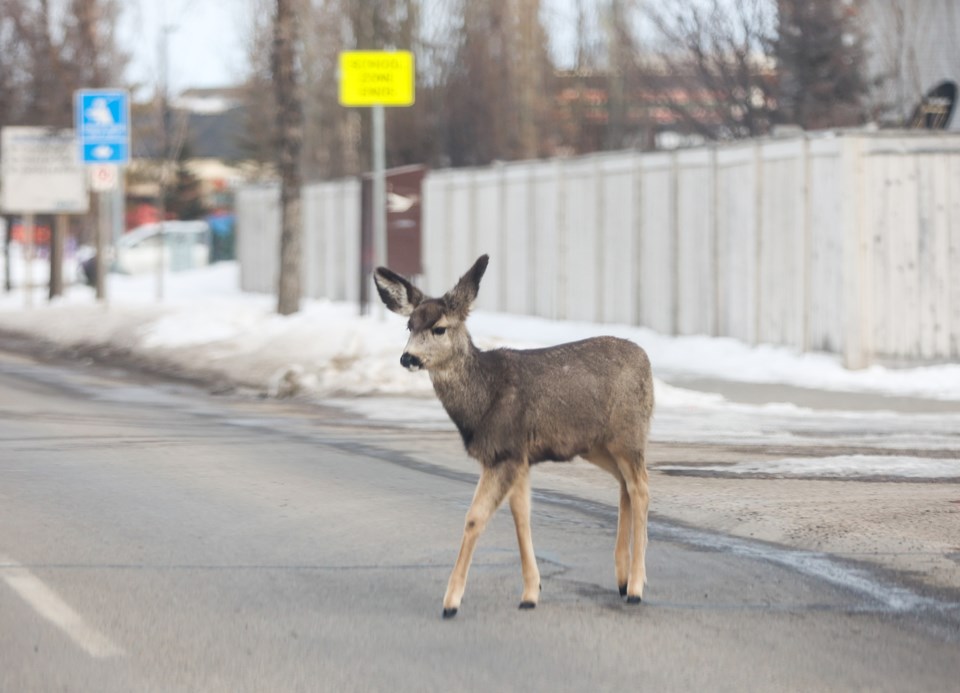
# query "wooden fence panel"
(618, 247)
(825, 291)
(548, 238)
(437, 244)
(782, 264)
(488, 233)
(461, 217)
(953, 293)
(738, 180)
(581, 213)
(658, 242)
(520, 271)
(696, 278)
(258, 237)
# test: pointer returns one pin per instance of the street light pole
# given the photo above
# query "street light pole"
(165, 32)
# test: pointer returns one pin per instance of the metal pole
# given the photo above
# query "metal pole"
(379, 189)
(166, 30)
(102, 233)
(379, 196)
(56, 255)
(28, 227)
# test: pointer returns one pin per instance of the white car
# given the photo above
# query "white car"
(186, 244)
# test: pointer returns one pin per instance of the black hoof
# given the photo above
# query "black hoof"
(623, 590)
(634, 599)
(528, 605)
(449, 613)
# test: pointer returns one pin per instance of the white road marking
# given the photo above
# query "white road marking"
(48, 604)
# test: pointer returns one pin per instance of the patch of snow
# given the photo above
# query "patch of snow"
(840, 467)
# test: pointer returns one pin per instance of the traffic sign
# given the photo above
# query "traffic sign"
(40, 172)
(102, 118)
(376, 78)
(103, 177)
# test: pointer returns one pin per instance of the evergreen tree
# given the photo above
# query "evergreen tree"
(184, 197)
(821, 60)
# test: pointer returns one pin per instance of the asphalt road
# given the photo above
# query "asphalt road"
(155, 537)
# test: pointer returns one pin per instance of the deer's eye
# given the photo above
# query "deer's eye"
(439, 331)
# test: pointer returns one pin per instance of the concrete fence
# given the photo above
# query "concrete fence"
(843, 242)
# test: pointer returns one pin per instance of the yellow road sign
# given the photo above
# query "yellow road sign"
(376, 78)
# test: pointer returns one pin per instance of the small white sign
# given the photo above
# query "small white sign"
(41, 172)
(103, 177)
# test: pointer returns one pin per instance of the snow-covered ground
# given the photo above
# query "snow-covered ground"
(205, 323)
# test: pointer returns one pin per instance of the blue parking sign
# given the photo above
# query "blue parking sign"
(102, 120)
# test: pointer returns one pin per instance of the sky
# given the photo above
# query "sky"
(327, 352)
(207, 38)
(205, 42)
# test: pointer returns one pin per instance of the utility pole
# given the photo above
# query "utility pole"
(163, 89)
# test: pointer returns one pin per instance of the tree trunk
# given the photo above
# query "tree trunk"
(7, 237)
(56, 255)
(290, 121)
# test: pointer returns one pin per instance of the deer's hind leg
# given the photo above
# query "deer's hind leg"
(494, 485)
(602, 458)
(621, 553)
(520, 507)
(637, 485)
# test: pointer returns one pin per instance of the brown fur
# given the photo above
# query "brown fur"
(514, 408)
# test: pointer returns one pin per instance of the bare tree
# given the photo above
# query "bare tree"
(718, 75)
(48, 54)
(290, 139)
(742, 66)
(260, 108)
(623, 83)
(493, 85)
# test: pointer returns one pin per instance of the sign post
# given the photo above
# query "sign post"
(102, 118)
(376, 79)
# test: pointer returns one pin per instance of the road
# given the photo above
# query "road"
(156, 537)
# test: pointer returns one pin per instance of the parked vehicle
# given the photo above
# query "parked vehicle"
(186, 245)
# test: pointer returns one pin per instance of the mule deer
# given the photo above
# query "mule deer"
(514, 408)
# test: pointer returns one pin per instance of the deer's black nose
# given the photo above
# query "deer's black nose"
(408, 360)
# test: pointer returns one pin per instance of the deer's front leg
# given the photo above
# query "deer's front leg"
(492, 488)
(520, 507)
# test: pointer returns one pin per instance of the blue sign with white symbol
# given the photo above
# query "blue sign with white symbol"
(102, 118)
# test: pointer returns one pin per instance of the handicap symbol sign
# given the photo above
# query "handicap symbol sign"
(102, 119)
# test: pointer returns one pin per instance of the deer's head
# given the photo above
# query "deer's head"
(437, 330)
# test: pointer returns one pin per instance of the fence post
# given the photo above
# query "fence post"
(560, 306)
(758, 241)
(675, 242)
(807, 243)
(715, 239)
(857, 307)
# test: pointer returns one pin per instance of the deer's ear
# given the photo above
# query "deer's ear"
(397, 293)
(461, 297)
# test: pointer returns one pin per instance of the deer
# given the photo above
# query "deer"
(515, 408)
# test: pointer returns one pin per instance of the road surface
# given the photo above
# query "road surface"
(156, 537)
